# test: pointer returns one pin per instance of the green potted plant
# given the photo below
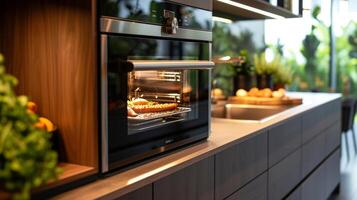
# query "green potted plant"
(264, 70)
(243, 71)
(282, 77)
(26, 158)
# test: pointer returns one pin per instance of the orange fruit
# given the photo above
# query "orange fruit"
(32, 107)
(48, 124)
(40, 125)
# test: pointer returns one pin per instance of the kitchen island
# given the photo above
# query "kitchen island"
(293, 155)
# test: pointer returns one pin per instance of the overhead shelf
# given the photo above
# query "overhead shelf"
(269, 11)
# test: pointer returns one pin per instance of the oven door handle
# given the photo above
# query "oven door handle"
(180, 64)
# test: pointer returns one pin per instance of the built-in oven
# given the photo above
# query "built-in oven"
(155, 78)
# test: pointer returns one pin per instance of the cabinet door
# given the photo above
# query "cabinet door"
(144, 193)
(284, 176)
(239, 164)
(313, 153)
(332, 170)
(204, 4)
(284, 139)
(318, 119)
(312, 123)
(333, 138)
(195, 182)
(295, 195)
(255, 190)
(313, 188)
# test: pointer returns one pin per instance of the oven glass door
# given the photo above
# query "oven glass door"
(150, 104)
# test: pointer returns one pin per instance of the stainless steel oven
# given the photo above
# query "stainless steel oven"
(155, 78)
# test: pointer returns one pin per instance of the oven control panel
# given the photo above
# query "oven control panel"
(170, 23)
(170, 15)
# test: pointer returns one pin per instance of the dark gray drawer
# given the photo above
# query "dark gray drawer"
(255, 190)
(284, 176)
(313, 188)
(295, 195)
(313, 152)
(318, 119)
(239, 164)
(284, 139)
(332, 169)
(144, 193)
(195, 182)
(332, 137)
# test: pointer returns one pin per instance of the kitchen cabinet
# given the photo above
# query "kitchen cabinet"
(295, 195)
(50, 46)
(144, 193)
(284, 176)
(195, 182)
(284, 139)
(322, 182)
(250, 167)
(204, 4)
(255, 190)
(240, 11)
(332, 138)
(313, 187)
(239, 164)
(332, 172)
(313, 153)
(318, 119)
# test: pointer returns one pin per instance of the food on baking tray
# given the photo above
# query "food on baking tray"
(140, 101)
(140, 105)
(131, 112)
(160, 107)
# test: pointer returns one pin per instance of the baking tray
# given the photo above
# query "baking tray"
(156, 115)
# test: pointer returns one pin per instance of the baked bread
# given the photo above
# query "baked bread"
(154, 107)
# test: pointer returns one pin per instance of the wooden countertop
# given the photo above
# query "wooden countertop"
(225, 133)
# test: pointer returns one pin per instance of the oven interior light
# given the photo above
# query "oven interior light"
(221, 19)
(252, 9)
(225, 58)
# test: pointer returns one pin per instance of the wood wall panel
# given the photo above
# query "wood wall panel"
(50, 46)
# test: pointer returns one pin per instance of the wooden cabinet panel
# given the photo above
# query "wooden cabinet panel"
(284, 139)
(296, 195)
(284, 176)
(313, 153)
(204, 4)
(332, 169)
(50, 46)
(239, 164)
(144, 193)
(313, 188)
(255, 190)
(332, 138)
(195, 182)
(318, 119)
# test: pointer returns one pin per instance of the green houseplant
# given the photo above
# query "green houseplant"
(243, 71)
(282, 77)
(26, 158)
(264, 70)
